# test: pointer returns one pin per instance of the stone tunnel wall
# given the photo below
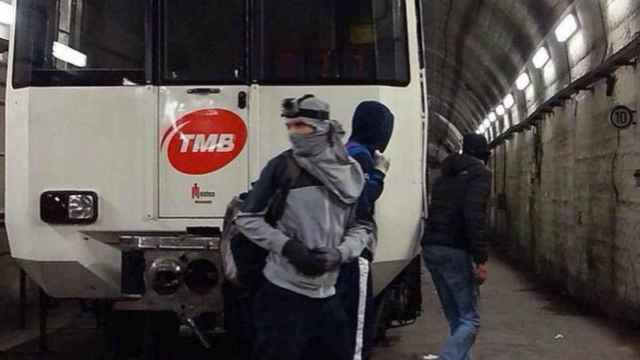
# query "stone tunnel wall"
(571, 204)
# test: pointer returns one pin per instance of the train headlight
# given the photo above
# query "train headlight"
(69, 207)
(165, 275)
(201, 276)
(81, 207)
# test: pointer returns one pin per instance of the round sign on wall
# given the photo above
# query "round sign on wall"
(621, 117)
(204, 141)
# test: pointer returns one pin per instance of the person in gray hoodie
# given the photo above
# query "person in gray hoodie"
(296, 313)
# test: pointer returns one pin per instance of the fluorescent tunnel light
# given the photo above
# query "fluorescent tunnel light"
(523, 81)
(508, 101)
(541, 58)
(69, 55)
(567, 28)
(500, 110)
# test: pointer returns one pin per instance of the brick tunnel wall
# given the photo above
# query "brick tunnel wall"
(571, 205)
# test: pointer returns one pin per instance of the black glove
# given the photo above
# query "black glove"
(329, 258)
(300, 256)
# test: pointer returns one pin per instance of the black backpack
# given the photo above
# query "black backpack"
(243, 261)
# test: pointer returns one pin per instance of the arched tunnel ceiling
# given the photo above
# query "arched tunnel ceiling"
(475, 50)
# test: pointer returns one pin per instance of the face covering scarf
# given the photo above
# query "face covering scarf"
(323, 155)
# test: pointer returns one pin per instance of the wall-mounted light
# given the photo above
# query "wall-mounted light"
(492, 117)
(508, 101)
(69, 55)
(523, 81)
(483, 124)
(568, 26)
(6, 13)
(500, 110)
(541, 58)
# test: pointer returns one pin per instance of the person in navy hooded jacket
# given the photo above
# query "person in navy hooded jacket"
(372, 129)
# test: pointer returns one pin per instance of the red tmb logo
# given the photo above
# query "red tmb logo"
(204, 141)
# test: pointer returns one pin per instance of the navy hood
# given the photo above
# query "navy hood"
(372, 125)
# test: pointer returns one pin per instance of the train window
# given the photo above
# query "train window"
(332, 42)
(204, 42)
(79, 42)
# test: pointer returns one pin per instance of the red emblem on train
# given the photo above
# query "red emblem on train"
(204, 141)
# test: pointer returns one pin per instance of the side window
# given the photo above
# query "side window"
(390, 38)
(420, 31)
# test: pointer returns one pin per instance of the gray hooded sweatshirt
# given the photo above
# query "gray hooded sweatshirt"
(319, 211)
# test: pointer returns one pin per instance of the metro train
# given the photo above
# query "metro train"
(132, 124)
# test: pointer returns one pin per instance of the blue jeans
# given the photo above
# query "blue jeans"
(452, 273)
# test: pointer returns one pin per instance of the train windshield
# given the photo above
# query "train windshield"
(204, 42)
(79, 42)
(121, 42)
(332, 41)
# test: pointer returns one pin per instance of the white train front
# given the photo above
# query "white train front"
(124, 131)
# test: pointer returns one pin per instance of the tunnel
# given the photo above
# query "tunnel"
(133, 131)
(543, 81)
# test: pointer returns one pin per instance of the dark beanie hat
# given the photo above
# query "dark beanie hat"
(476, 145)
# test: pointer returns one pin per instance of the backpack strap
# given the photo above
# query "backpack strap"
(276, 209)
(293, 172)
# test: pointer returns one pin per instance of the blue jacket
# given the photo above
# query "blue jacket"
(374, 180)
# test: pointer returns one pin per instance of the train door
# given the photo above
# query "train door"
(203, 110)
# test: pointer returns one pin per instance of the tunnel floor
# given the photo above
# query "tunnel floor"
(519, 321)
